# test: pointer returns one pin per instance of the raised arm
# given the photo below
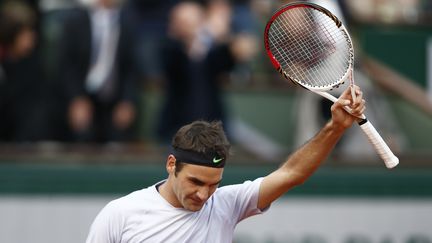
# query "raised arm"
(303, 162)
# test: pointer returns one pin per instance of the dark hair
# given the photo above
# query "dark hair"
(202, 137)
(15, 16)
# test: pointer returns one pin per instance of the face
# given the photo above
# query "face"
(186, 20)
(23, 44)
(193, 185)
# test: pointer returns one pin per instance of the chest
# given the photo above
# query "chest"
(162, 225)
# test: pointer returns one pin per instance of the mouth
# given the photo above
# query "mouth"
(196, 202)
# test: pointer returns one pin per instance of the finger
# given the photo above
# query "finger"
(346, 94)
(359, 113)
(359, 99)
(353, 92)
(343, 102)
(357, 89)
(360, 108)
(358, 96)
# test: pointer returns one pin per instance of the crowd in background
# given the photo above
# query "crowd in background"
(76, 73)
(76, 70)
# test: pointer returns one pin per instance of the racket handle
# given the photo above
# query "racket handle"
(390, 160)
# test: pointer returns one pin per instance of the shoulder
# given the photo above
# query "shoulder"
(239, 190)
(121, 208)
(239, 200)
(75, 17)
(134, 198)
(245, 184)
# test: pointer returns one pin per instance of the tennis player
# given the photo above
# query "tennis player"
(188, 207)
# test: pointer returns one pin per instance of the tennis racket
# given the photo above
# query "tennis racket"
(310, 46)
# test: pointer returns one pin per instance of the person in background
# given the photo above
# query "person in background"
(197, 57)
(21, 82)
(151, 17)
(98, 74)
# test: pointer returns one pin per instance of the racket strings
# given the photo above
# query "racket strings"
(311, 49)
(311, 55)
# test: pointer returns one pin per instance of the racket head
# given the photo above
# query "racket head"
(309, 46)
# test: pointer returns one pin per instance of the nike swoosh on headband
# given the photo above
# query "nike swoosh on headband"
(216, 160)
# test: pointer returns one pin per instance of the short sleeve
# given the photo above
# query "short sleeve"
(241, 200)
(107, 226)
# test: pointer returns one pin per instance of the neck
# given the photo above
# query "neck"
(166, 191)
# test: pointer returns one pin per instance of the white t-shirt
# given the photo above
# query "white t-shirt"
(145, 216)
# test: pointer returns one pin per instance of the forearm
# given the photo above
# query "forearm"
(302, 163)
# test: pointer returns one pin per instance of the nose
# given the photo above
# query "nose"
(203, 193)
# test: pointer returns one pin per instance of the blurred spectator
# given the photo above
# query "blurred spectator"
(21, 86)
(98, 73)
(151, 17)
(199, 53)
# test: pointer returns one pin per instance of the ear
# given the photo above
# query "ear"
(171, 164)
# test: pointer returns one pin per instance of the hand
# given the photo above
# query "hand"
(340, 116)
(124, 114)
(80, 114)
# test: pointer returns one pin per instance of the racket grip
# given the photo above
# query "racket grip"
(390, 160)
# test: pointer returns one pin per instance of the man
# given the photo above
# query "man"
(188, 206)
(22, 88)
(98, 73)
(197, 56)
(193, 63)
